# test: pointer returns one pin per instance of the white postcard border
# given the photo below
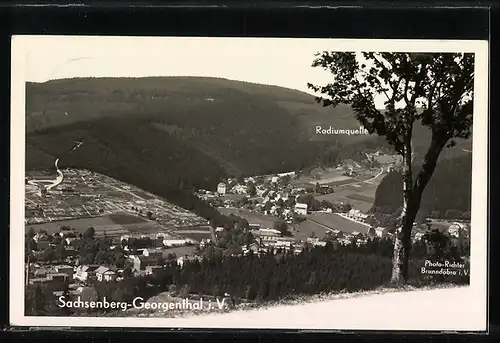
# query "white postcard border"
(475, 306)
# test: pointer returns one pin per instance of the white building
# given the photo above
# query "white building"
(457, 229)
(70, 240)
(301, 208)
(418, 236)
(221, 188)
(381, 232)
(152, 252)
(239, 189)
(85, 272)
(356, 214)
(105, 274)
(168, 242)
(268, 231)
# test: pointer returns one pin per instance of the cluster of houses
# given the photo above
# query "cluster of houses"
(266, 239)
(271, 197)
(44, 241)
(457, 230)
(356, 215)
(70, 238)
(61, 277)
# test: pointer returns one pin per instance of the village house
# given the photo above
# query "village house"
(86, 272)
(65, 269)
(168, 242)
(183, 259)
(42, 241)
(381, 232)
(272, 239)
(418, 236)
(282, 195)
(70, 251)
(253, 247)
(141, 262)
(301, 208)
(153, 270)
(58, 278)
(344, 241)
(457, 230)
(254, 226)
(239, 189)
(297, 250)
(105, 274)
(260, 190)
(335, 233)
(40, 273)
(205, 242)
(319, 244)
(268, 232)
(70, 240)
(356, 214)
(57, 281)
(152, 253)
(221, 188)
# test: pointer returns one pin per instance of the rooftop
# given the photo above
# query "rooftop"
(102, 270)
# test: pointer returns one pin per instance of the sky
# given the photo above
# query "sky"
(271, 61)
(281, 62)
(284, 62)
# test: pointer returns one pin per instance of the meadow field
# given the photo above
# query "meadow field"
(307, 229)
(336, 222)
(361, 195)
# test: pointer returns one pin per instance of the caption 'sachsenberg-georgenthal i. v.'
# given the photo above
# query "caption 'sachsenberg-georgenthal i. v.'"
(249, 183)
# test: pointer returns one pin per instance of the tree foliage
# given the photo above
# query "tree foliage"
(441, 85)
(432, 89)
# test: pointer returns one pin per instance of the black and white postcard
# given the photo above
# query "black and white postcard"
(253, 183)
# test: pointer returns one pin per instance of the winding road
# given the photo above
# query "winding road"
(53, 183)
(59, 178)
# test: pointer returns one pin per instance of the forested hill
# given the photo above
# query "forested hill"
(246, 128)
(448, 189)
(170, 135)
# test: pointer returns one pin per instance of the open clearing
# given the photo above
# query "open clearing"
(361, 196)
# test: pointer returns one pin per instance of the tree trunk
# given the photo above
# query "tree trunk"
(412, 195)
(402, 241)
